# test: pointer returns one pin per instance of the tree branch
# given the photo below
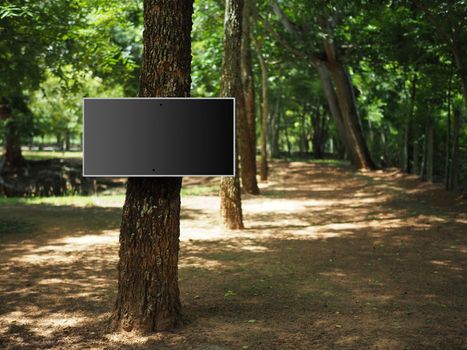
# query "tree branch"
(315, 60)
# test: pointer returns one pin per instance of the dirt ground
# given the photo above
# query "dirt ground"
(330, 259)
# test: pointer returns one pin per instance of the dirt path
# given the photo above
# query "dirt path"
(331, 259)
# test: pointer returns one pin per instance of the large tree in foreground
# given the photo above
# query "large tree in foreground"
(148, 296)
(231, 85)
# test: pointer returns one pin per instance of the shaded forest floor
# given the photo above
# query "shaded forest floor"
(330, 259)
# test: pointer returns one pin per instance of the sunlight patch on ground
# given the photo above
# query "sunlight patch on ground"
(64, 249)
(198, 262)
(43, 324)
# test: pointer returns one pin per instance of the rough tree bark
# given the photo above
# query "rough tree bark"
(247, 137)
(231, 85)
(13, 155)
(148, 296)
(263, 170)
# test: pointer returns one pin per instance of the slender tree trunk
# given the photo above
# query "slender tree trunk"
(351, 119)
(247, 137)
(67, 140)
(331, 98)
(461, 66)
(429, 149)
(148, 297)
(13, 154)
(275, 131)
(287, 139)
(303, 136)
(264, 112)
(447, 165)
(347, 104)
(351, 130)
(319, 133)
(408, 127)
(423, 162)
(454, 174)
(231, 202)
(416, 156)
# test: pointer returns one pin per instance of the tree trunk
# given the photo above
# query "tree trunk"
(275, 131)
(416, 156)
(347, 104)
(408, 128)
(454, 173)
(264, 112)
(231, 85)
(458, 58)
(148, 297)
(247, 137)
(13, 155)
(319, 133)
(346, 114)
(423, 163)
(67, 140)
(351, 119)
(287, 138)
(331, 98)
(429, 149)
(447, 165)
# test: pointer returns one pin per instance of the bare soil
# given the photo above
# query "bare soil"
(330, 259)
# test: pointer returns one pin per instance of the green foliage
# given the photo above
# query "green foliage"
(54, 52)
(207, 47)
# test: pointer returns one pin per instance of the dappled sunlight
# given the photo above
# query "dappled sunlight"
(325, 252)
(43, 326)
(67, 249)
(197, 262)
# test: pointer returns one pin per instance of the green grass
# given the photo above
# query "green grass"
(78, 201)
(200, 190)
(338, 162)
(114, 200)
(41, 155)
(330, 161)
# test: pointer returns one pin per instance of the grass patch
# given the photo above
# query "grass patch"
(77, 201)
(201, 190)
(42, 155)
(339, 162)
(113, 200)
(330, 161)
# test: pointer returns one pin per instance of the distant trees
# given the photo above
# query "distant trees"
(32, 39)
(379, 84)
(58, 43)
(148, 295)
(340, 94)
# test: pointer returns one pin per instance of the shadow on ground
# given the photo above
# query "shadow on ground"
(329, 259)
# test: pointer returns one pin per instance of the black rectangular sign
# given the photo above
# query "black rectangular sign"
(126, 137)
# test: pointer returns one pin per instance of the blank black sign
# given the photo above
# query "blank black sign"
(158, 137)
